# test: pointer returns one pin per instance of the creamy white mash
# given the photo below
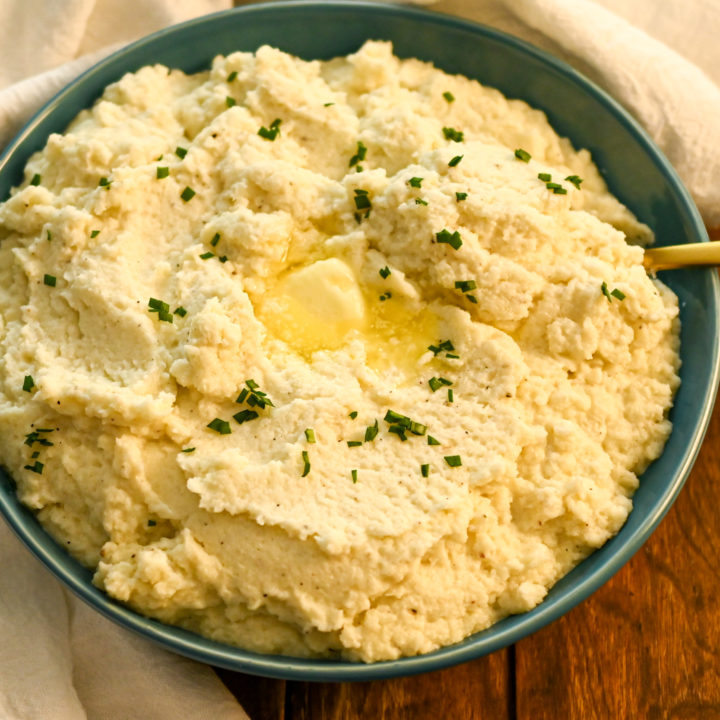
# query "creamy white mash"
(326, 358)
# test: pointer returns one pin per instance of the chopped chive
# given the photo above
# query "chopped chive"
(49, 236)
(272, 132)
(310, 435)
(545, 177)
(215, 240)
(28, 383)
(417, 428)
(472, 298)
(362, 201)
(605, 291)
(452, 356)
(425, 470)
(306, 463)
(181, 311)
(523, 155)
(243, 394)
(255, 397)
(460, 196)
(442, 346)
(576, 180)
(465, 285)
(181, 152)
(371, 432)
(453, 460)
(384, 272)
(230, 101)
(453, 134)
(187, 194)
(394, 417)
(36, 467)
(155, 305)
(162, 172)
(223, 258)
(619, 294)
(353, 474)
(420, 201)
(232, 76)
(188, 450)
(398, 430)
(359, 156)
(452, 239)
(432, 440)
(354, 443)
(456, 160)
(35, 455)
(449, 96)
(49, 280)
(385, 296)
(36, 179)
(94, 233)
(437, 382)
(415, 182)
(152, 523)
(207, 255)
(244, 416)
(104, 182)
(220, 426)
(451, 395)
(328, 104)
(353, 414)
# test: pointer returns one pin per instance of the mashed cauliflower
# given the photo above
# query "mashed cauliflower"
(347, 358)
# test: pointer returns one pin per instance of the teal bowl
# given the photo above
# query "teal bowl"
(635, 170)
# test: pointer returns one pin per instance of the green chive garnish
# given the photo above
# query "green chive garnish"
(220, 426)
(456, 160)
(545, 177)
(415, 182)
(460, 196)
(181, 311)
(230, 101)
(28, 383)
(94, 233)
(359, 156)
(181, 152)
(575, 180)
(420, 201)
(151, 523)
(452, 239)
(187, 194)
(161, 308)
(36, 467)
(245, 416)
(384, 272)
(452, 134)
(328, 104)
(215, 240)
(619, 294)
(162, 172)
(436, 383)
(371, 432)
(453, 460)
(605, 291)
(425, 470)
(36, 179)
(354, 443)
(451, 395)
(385, 296)
(432, 440)
(306, 463)
(104, 182)
(188, 450)
(523, 155)
(362, 201)
(272, 132)
(353, 474)
(449, 96)
(207, 255)
(50, 280)
(232, 76)
(465, 285)
(353, 414)
(310, 435)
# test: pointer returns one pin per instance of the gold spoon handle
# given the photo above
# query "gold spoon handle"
(677, 256)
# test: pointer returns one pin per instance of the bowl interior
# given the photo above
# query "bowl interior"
(634, 169)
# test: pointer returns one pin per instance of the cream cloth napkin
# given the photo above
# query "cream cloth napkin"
(59, 660)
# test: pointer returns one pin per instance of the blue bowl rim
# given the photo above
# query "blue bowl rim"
(291, 668)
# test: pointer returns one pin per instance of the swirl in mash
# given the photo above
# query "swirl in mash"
(305, 357)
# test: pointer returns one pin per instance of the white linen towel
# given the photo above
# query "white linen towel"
(60, 660)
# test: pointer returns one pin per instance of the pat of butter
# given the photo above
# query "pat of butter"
(316, 306)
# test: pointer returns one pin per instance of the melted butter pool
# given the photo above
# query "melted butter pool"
(322, 307)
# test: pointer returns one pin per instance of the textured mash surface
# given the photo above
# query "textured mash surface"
(560, 389)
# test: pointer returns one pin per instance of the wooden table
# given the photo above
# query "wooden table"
(644, 646)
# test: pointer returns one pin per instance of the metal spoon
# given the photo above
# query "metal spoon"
(678, 256)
